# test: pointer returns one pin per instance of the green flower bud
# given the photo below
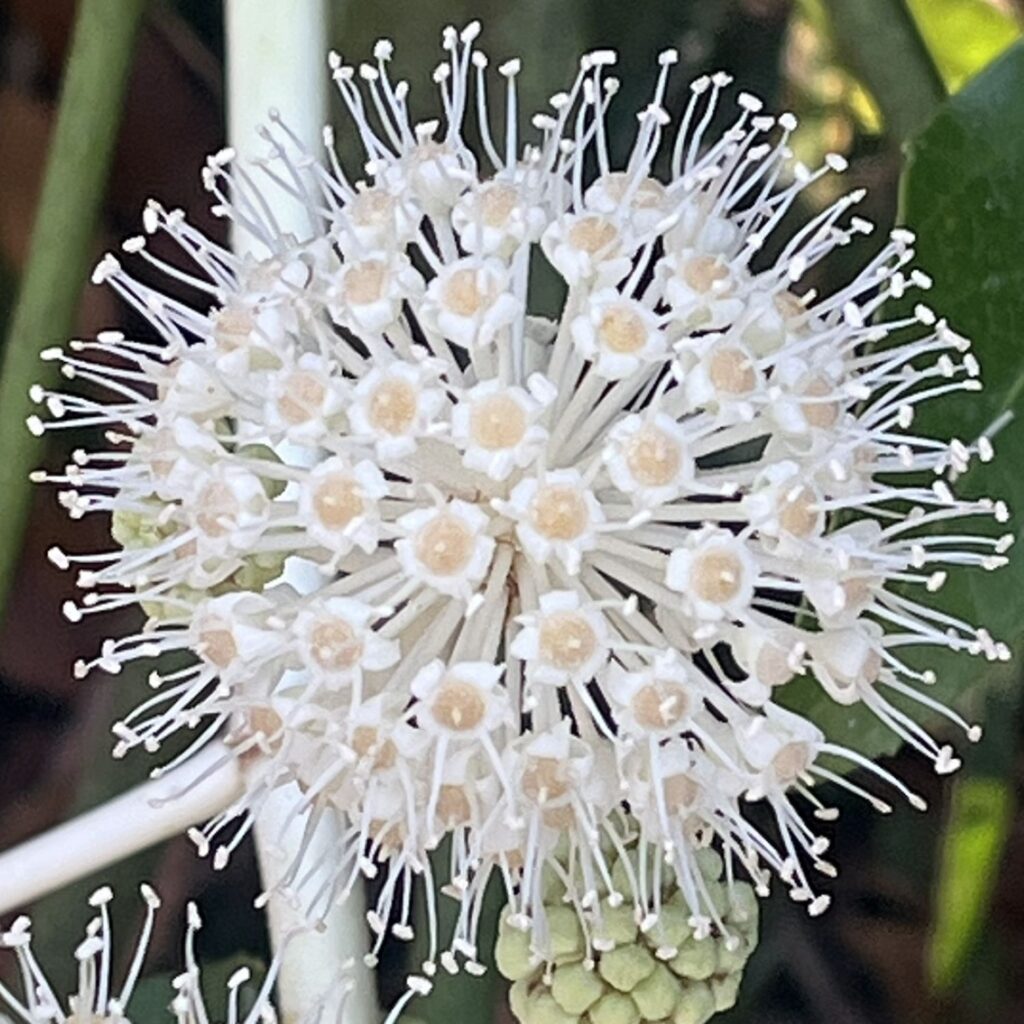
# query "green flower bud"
(673, 928)
(615, 1008)
(725, 988)
(541, 1008)
(626, 966)
(575, 988)
(519, 999)
(731, 960)
(657, 994)
(512, 952)
(566, 934)
(697, 959)
(618, 924)
(696, 1005)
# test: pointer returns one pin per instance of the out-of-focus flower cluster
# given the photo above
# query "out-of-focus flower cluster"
(530, 584)
(98, 1000)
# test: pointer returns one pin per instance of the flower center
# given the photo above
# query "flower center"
(303, 394)
(370, 208)
(231, 328)
(496, 204)
(545, 779)
(453, 806)
(217, 645)
(702, 272)
(365, 282)
(797, 513)
(567, 640)
(217, 507)
(731, 371)
(820, 414)
(717, 576)
(653, 458)
(592, 234)
(660, 704)
(622, 331)
(366, 740)
(393, 406)
(337, 502)
(497, 422)
(681, 792)
(445, 545)
(791, 762)
(559, 512)
(336, 645)
(458, 706)
(462, 294)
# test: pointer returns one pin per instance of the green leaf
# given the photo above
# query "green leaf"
(92, 97)
(979, 823)
(962, 194)
(963, 36)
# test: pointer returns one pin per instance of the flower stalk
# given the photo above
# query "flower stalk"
(274, 62)
(148, 814)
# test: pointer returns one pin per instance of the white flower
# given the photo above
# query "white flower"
(496, 427)
(369, 292)
(470, 301)
(497, 218)
(715, 573)
(338, 504)
(461, 701)
(565, 641)
(336, 642)
(446, 547)
(394, 406)
(650, 458)
(556, 515)
(546, 576)
(619, 335)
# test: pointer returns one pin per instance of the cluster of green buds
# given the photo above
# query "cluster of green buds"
(634, 970)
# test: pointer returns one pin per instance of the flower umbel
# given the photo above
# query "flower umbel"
(555, 570)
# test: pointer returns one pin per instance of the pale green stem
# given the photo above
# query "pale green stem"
(276, 55)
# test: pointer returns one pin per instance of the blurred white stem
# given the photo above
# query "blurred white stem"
(145, 815)
(276, 56)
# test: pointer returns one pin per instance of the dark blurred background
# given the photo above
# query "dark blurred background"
(908, 939)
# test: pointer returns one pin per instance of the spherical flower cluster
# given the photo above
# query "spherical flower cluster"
(534, 585)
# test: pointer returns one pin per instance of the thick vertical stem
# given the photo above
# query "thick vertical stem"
(277, 59)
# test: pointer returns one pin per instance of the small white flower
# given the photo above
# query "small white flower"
(336, 641)
(369, 292)
(470, 302)
(587, 248)
(715, 572)
(462, 701)
(701, 289)
(650, 458)
(619, 335)
(338, 505)
(565, 641)
(304, 400)
(446, 547)
(639, 199)
(556, 517)
(396, 405)
(497, 218)
(496, 428)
